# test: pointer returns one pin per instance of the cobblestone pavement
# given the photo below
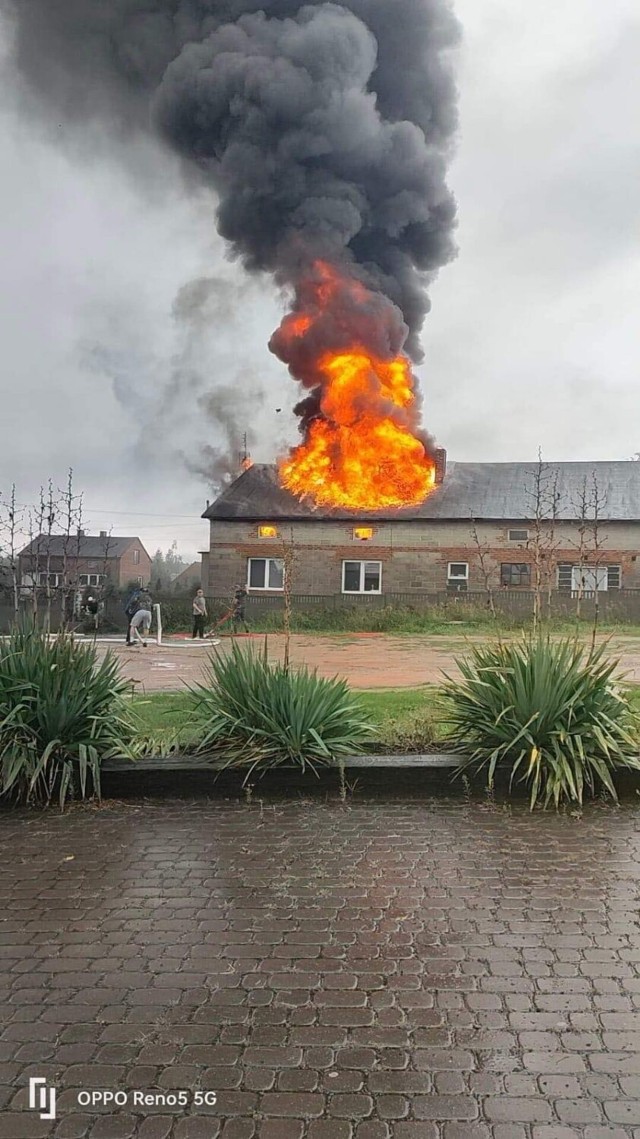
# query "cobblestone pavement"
(373, 660)
(374, 970)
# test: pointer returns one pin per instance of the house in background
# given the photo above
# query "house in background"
(83, 560)
(188, 579)
(484, 526)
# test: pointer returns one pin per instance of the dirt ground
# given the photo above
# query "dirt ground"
(369, 660)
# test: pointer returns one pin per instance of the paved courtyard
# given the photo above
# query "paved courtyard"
(411, 969)
(367, 660)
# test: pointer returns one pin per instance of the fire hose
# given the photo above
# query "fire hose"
(221, 622)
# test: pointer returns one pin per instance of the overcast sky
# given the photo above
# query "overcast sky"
(532, 340)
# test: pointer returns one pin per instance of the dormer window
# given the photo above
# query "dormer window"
(268, 531)
(363, 533)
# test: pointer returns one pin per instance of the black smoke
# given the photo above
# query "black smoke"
(324, 128)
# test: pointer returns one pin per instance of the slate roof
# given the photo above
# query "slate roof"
(90, 546)
(491, 491)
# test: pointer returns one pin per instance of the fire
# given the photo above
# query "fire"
(361, 449)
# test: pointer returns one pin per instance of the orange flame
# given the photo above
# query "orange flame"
(361, 450)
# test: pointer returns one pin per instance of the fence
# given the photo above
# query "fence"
(623, 605)
(620, 606)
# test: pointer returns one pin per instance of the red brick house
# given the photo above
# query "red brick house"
(479, 529)
(83, 560)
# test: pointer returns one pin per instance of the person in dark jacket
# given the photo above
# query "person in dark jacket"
(141, 619)
(238, 612)
(131, 608)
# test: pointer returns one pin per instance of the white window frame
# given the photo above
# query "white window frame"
(266, 588)
(518, 530)
(136, 557)
(55, 579)
(362, 562)
(458, 576)
(98, 579)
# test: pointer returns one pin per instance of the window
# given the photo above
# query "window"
(363, 533)
(518, 535)
(136, 557)
(265, 573)
(55, 579)
(458, 577)
(515, 574)
(91, 579)
(564, 578)
(361, 577)
(588, 579)
(268, 531)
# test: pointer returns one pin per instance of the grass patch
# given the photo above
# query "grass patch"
(406, 719)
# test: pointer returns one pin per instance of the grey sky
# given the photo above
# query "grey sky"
(533, 335)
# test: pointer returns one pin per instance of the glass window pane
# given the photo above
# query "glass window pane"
(276, 573)
(257, 567)
(371, 577)
(352, 577)
(458, 569)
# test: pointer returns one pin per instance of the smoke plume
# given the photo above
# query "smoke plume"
(325, 128)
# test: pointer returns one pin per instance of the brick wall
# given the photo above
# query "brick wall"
(414, 555)
(130, 569)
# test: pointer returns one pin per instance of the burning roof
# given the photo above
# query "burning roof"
(489, 491)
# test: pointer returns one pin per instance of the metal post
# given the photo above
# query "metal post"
(158, 623)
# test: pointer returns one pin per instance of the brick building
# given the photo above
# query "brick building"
(584, 530)
(83, 560)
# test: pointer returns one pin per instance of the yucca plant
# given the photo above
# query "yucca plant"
(61, 713)
(255, 714)
(545, 712)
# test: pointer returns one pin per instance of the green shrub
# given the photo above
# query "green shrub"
(60, 714)
(547, 714)
(260, 715)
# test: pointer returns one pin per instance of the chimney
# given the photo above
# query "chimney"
(103, 533)
(440, 457)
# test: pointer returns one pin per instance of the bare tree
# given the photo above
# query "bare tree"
(71, 521)
(48, 508)
(589, 505)
(10, 522)
(581, 505)
(289, 560)
(36, 548)
(598, 541)
(544, 500)
(108, 545)
(483, 551)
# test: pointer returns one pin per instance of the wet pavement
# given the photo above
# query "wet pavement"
(422, 969)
